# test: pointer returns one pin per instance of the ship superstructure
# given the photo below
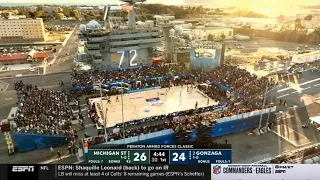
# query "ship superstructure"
(120, 44)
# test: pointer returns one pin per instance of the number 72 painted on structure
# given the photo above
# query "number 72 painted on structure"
(132, 63)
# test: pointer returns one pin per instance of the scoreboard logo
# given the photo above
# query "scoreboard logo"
(216, 169)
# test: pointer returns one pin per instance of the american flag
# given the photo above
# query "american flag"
(127, 7)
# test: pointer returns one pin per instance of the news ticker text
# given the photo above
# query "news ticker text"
(176, 172)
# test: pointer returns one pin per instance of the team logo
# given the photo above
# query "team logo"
(216, 169)
(154, 101)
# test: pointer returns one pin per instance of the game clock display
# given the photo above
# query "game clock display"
(159, 157)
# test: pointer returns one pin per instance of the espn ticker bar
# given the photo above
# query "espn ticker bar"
(157, 172)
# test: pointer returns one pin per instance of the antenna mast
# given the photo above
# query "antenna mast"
(129, 7)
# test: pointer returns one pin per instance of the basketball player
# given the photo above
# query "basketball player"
(117, 99)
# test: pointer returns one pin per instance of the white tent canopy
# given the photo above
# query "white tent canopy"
(306, 58)
(315, 119)
(272, 51)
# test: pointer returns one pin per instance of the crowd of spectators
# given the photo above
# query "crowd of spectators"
(257, 87)
(232, 76)
(244, 87)
(95, 118)
(87, 78)
(214, 92)
(178, 121)
(241, 82)
(238, 80)
(227, 75)
(143, 77)
(144, 125)
(47, 111)
(43, 111)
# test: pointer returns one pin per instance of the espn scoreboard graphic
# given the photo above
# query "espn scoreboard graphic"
(156, 156)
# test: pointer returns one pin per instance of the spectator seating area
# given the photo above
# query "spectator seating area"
(220, 81)
(232, 76)
(256, 87)
(93, 115)
(179, 121)
(136, 77)
(43, 111)
(136, 74)
(249, 92)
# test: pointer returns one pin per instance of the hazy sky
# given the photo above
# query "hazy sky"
(243, 3)
(260, 3)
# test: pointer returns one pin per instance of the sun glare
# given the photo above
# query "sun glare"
(271, 8)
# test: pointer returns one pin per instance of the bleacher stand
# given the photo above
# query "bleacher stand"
(106, 77)
(43, 111)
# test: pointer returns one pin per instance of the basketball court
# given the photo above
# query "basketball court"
(292, 136)
(150, 103)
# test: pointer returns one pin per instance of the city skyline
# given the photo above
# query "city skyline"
(271, 8)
